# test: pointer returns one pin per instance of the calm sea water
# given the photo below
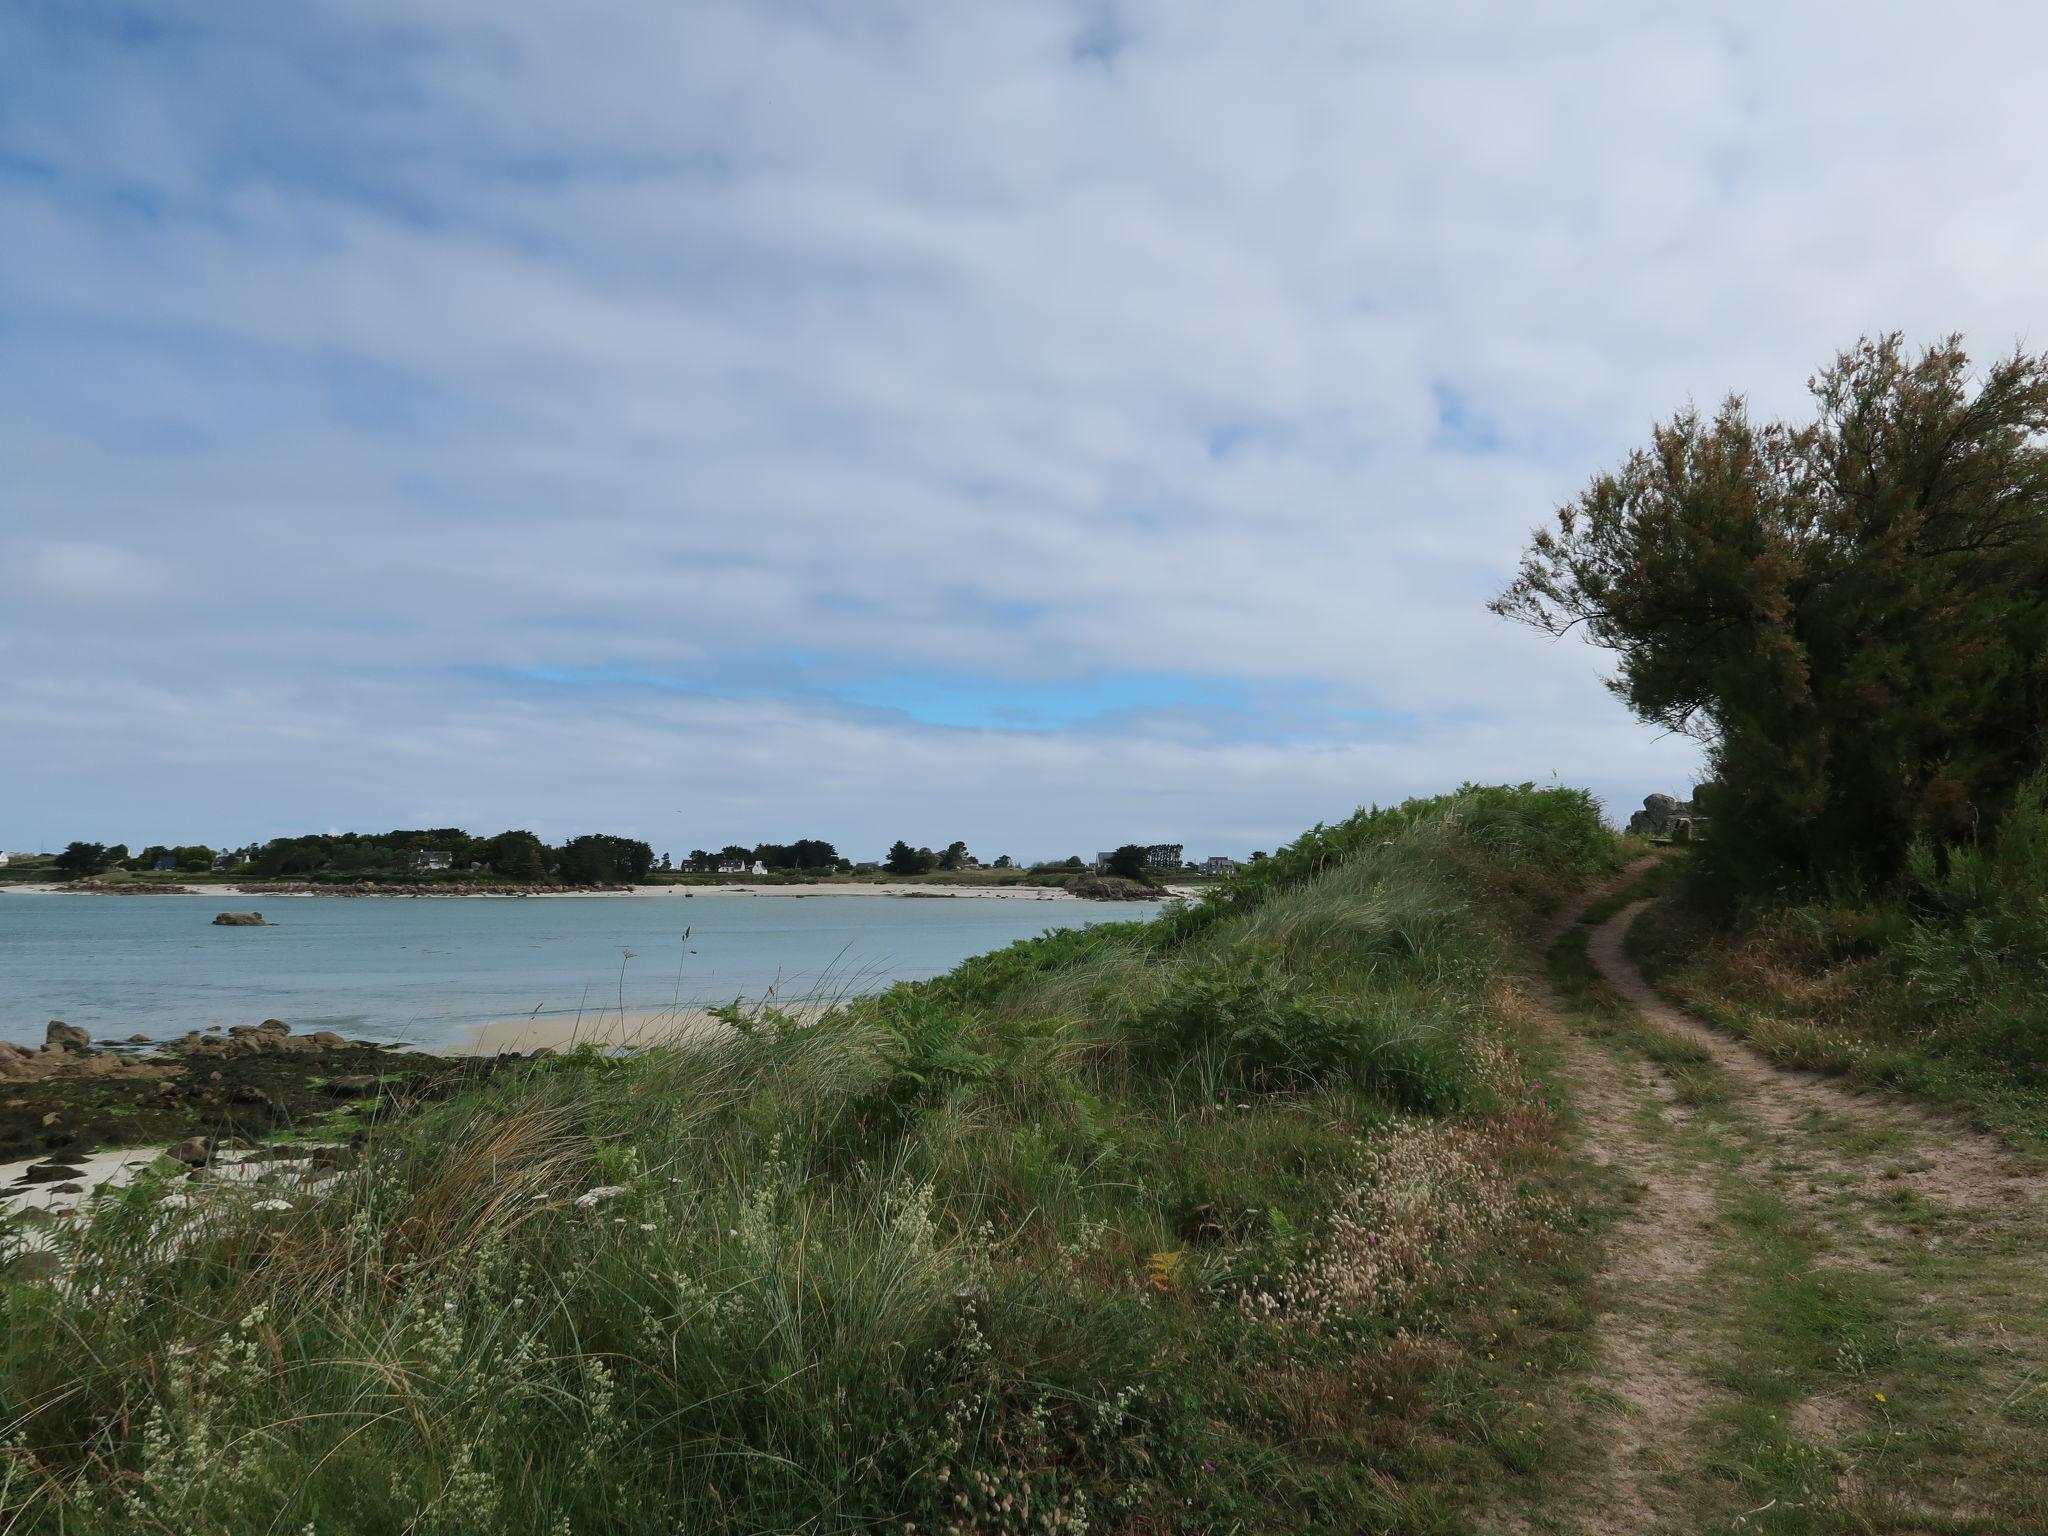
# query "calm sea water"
(425, 970)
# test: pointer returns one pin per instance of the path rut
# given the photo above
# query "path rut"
(1667, 1346)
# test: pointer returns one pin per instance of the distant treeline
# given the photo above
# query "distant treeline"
(443, 854)
(430, 853)
(598, 858)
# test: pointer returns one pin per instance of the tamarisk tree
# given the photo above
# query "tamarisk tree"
(1851, 611)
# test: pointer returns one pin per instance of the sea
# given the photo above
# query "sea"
(427, 971)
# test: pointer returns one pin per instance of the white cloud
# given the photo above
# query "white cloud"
(390, 352)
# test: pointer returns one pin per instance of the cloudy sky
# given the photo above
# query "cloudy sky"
(1049, 422)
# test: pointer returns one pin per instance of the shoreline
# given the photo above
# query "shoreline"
(613, 1031)
(899, 890)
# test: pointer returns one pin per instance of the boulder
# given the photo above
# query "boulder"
(249, 1093)
(353, 1086)
(191, 1150)
(240, 920)
(65, 1037)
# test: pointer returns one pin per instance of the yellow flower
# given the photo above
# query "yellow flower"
(1879, 1396)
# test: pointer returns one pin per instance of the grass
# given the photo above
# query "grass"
(1253, 1217)
(1887, 991)
(1868, 1360)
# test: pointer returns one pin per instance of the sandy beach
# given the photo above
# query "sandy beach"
(612, 1031)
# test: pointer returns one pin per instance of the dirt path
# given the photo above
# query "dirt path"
(1824, 1310)
(1958, 1165)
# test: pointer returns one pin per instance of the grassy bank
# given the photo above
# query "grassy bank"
(1253, 1217)
(1938, 986)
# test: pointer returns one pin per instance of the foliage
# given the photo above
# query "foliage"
(1851, 611)
(1938, 986)
(601, 859)
(804, 853)
(1131, 1227)
(82, 859)
(906, 860)
(1130, 862)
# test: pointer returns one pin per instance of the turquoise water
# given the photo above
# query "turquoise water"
(423, 971)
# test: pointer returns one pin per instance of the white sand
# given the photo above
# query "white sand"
(229, 1169)
(612, 1031)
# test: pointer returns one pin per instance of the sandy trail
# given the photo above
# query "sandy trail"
(1653, 1356)
(1665, 1343)
(1959, 1166)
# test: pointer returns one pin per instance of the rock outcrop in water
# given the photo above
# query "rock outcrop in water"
(272, 1037)
(240, 920)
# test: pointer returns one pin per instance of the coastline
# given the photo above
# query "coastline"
(902, 890)
(611, 1031)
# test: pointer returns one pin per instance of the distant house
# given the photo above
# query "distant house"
(223, 861)
(3, 861)
(732, 866)
(866, 867)
(165, 861)
(432, 858)
(758, 869)
(1217, 864)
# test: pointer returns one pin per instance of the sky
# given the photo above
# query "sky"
(1050, 425)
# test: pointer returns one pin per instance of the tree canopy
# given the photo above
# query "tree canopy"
(1851, 612)
(906, 860)
(1133, 861)
(82, 859)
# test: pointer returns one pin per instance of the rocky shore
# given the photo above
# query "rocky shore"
(248, 1082)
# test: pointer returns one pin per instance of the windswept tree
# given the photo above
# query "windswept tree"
(82, 859)
(1133, 861)
(601, 859)
(906, 860)
(517, 855)
(1850, 612)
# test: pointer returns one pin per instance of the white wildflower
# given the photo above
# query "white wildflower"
(590, 1198)
(271, 1205)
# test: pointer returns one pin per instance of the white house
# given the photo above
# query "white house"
(432, 858)
(1217, 864)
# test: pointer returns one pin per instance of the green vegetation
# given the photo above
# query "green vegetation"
(1846, 1330)
(448, 855)
(1937, 985)
(1249, 1218)
(1851, 612)
(1130, 862)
